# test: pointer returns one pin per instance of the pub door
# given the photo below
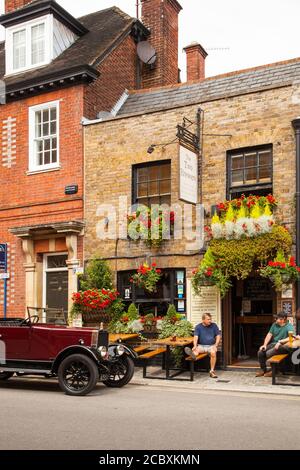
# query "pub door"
(253, 305)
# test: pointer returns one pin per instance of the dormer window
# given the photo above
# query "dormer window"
(29, 45)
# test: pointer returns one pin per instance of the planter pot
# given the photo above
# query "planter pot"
(95, 317)
(77, 321)
(150, 329)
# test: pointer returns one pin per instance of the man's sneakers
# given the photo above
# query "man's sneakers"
(213, 375)
(189, 352)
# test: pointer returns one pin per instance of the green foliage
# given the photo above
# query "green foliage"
(97, 276)
(132, 313)
(237, 258)
(180, 329)
(171, 313)
(226, 259)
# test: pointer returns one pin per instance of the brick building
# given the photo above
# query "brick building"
(56, 70)
(245, 113)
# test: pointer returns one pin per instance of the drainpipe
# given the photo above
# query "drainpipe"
(296, 126)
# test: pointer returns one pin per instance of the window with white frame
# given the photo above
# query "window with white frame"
(44, 137)
(29, 45)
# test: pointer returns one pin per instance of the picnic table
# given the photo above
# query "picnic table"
(168, 344)
(120, 337)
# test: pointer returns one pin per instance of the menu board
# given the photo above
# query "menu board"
(258, 289)
(208, 302)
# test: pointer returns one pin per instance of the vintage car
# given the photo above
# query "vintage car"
(78, 357)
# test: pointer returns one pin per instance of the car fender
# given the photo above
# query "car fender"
(92, 354)
(128, 351)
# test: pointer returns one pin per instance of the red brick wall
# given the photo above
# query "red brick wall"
(39, 198)
(11, 5)
(118, 72)
(161, 17)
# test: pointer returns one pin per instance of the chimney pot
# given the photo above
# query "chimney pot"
(195, 55)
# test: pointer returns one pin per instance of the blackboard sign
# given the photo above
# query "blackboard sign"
(258, 289)
(3, 256)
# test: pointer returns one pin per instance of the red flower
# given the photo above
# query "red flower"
(158, 271)
(154, 265)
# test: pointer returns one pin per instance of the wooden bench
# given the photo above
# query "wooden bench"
(141, 349)
(193, 361)
(148, 356)
(275, 361)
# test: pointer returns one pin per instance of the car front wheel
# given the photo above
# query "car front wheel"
(6, 375)
(78, 375)
(121, 372)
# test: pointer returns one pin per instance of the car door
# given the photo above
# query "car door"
(17, 342)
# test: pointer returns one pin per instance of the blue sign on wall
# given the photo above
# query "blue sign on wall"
(3, 256)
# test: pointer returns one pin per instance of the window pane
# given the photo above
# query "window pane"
(47, 160)
(53, 128)
(251, 175)
(142, 190)
(237, 162)
(46, 129)
(165, 171)
(54, 156)
(237, 178)
(153, 172)
(38, 44)
(265, 158)
(47, 144)
(165, 200)
(153, 188)
(54, 143)
(53, 114)
(19, 49)
(265, 173)
(46, 115)
(142, 174)
(250, 159)
(165, 187)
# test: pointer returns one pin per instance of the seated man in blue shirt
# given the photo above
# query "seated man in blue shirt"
(206, 340)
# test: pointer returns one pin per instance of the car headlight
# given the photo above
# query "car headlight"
(103, 351)
(120, 350)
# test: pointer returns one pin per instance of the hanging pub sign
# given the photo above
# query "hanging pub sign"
(3, 256)
(188, 176)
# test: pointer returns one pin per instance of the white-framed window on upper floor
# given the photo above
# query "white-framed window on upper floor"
(29, 45)
(44, 137)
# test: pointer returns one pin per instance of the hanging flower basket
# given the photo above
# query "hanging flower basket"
(153, 226)
(209, 274)
(281, 271)
(147, 277)
(94, 305)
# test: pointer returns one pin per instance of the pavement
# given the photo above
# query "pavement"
(36, 415)
(228, 381)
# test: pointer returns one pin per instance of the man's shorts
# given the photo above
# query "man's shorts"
(205, 349)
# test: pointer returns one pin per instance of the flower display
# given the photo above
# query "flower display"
(281, 271)
(94, 302)
(151, 225)
(246, 217)
(147, 277)
(209, 273)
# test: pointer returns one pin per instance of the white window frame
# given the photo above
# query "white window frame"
(33, 167)
(9, 46)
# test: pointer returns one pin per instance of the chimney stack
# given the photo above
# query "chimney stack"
(12, 5)
(195, 56)
(161, 17)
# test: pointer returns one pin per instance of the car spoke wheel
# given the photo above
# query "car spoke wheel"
(5, 375)
(121, 372)
(78, 375)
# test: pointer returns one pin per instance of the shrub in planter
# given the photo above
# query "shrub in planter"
(180, 329)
